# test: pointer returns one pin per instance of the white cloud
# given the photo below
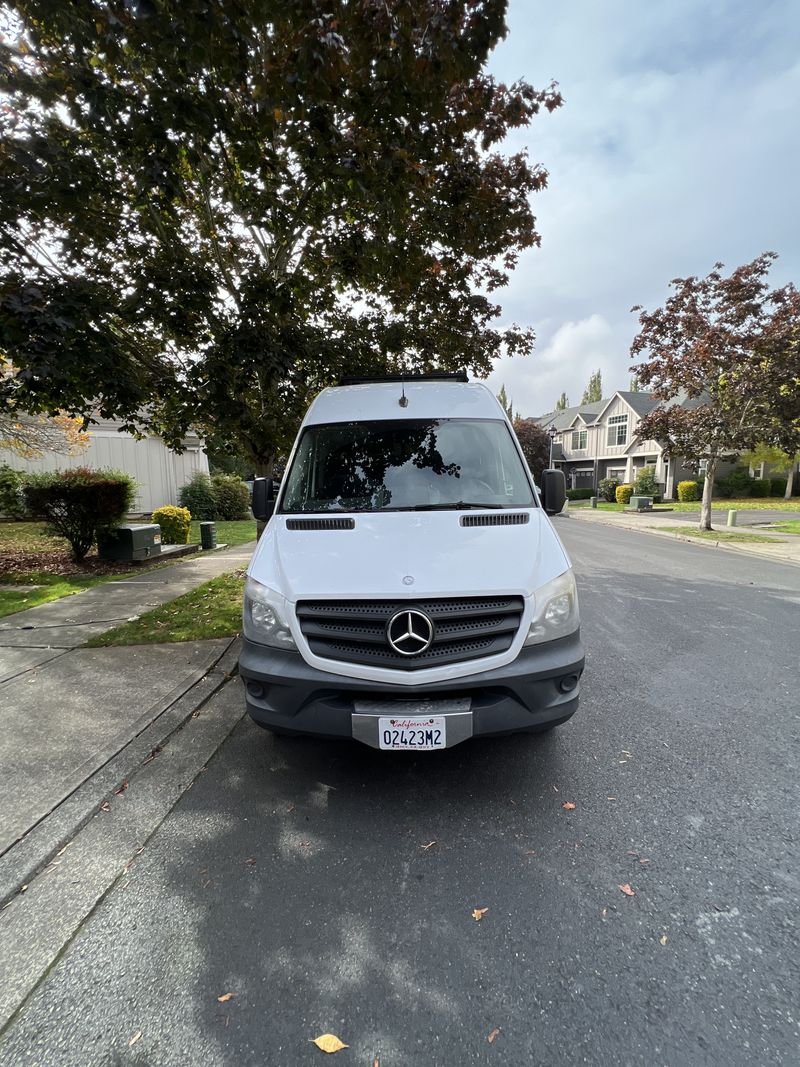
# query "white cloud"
(676, 147)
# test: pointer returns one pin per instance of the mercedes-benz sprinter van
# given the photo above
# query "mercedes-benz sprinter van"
(409, 589)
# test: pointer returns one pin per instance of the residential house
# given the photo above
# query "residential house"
(158, 471)
(600, 440)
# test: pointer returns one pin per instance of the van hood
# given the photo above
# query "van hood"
(409, 555)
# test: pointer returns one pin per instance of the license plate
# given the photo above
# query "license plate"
(418, 734)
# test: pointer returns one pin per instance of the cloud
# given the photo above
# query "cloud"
(676, 147)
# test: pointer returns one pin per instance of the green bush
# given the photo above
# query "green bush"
(646, 484)
(232, 497)
(175, 524)
(688, 491)
(12, 496)
(81, 504)
(777, 486)
(737, 483)
(760, 487)
(198, 496)
(623, 494)
(607, 489)
(579, 494)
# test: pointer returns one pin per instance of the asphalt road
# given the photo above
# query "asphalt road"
(293, 874)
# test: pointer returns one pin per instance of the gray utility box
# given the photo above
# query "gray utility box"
(641, 503)
(128, 543)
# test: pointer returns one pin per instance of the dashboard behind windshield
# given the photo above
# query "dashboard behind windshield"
(406, 464)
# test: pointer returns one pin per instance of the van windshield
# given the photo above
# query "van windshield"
(406, 465)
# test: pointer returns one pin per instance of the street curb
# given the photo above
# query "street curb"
(688, 539)
(35, 850)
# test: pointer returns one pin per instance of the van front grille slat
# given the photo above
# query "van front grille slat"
(500, 519)
(465, 628)
(320, 524)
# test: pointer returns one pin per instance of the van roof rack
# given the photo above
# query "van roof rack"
(432, 376)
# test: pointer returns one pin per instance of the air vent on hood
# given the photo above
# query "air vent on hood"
(504, 519)
(320, 524)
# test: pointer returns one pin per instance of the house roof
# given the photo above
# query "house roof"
(641, 403)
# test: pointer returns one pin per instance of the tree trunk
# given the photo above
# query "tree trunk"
(708, 487)
(263, 469)
(789, 482)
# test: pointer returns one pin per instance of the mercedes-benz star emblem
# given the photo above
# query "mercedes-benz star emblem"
(409, 632)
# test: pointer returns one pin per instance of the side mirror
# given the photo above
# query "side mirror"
(263, 502)
(554, 491)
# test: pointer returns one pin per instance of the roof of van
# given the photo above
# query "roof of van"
(426, 400)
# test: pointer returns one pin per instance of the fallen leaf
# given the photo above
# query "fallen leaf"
(531, 852)
(329, 1043)
(605, 912)
(136, 1037)
(226, 997)
(626, 889)
(644, 861)
(478, 913)
(122, 788)
(430, 844)
(663, 939)
(376, 1062)
(568, 805)
(251, 862)
(105, 806)
(495, 1033)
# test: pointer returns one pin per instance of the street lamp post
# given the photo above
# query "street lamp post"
(552, 433)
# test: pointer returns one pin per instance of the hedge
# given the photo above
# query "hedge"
(623, 494)
(80, 504)
(12, 495)
(688, 491)
(231, 497)
(777, 486)
(760, 487)
(579, 494)
(198, 496)
(175, 524)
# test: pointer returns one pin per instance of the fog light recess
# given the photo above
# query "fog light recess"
(255, 689)
(568, 683)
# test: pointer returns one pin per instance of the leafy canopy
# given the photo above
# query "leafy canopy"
(207, 210)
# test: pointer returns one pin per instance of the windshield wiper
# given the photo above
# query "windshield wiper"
(456, 505)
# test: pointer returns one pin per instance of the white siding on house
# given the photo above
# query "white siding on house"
(158, 470)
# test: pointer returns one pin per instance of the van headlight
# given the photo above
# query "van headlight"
(266, 615)
(555, 610)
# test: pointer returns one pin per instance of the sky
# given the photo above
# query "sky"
(678, 145)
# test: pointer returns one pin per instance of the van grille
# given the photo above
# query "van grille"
(464, 628)
(505, 519)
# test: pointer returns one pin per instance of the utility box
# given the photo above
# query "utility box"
(127, 544)
(641, 503)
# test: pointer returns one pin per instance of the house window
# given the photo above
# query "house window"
(580, 439)
(617, 429)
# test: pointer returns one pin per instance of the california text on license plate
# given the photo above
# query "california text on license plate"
(421, 733)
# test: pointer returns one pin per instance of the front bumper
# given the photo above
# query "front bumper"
(531, 693)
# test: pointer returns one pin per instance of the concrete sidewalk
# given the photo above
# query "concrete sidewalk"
(786, 547)
(66, 710)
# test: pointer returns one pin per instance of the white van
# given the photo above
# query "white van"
(409, 590)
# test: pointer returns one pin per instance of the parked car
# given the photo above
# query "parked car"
(409, 590)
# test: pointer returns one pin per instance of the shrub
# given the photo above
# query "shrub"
(175, 524)
(777, 486)
(760, 487)
(737, 483)
(12, 497)
(688, 491)
(607, 489)
(623, 494)
(232, 497)
(80, 504)
(579, 494)
(198, 496)
(646, 484)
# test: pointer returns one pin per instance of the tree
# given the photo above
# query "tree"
(505, 403)
(30, 436)
(209, 211)
(534, 441)
(635, 387)
(594, 390)
(562, 403)
(781, 461)
(717, 354)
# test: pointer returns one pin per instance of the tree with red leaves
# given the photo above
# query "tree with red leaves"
(719, 356)
(535, 444)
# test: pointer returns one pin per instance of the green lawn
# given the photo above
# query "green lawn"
(27, 536)
(717, 535)
(228, 533)
(792, 526)
(603, 505)
(776, 503)
(34, 588)
(211, 610)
